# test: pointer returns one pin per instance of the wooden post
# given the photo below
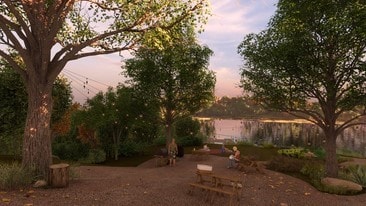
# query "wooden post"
(59, 175)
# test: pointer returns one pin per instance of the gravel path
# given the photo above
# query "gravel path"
(149, 185)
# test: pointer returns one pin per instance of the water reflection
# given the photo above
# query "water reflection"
(285, 133)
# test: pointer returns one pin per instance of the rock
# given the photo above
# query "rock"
(40, 183)
(309, 155)
(339, 183)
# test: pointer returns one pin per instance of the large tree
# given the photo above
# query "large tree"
(176, 78)
(310, 62)
(47, 34)
(13, 105)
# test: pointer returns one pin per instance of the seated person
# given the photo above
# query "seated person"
(206, 148)
(235, 158)
(224, 149)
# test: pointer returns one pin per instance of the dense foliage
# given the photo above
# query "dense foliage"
(114, 120)
(13, 107)
(176, 79)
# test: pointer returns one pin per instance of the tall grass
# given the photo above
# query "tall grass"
(13, 176)
(355, 173)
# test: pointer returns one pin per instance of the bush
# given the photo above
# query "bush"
(74, 172)
(70, 150)
(319, 152)
(189, 141)
(285, 164)
(314, 171)
(11, 142)
(94, 156)
(13, 176)
(160, 140)
(131, 148)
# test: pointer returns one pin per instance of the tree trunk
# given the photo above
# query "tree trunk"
(168, 123)
(331, 162)
(168, 133)
(37, 151)
(115, 146)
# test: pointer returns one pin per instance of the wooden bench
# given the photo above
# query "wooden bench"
(219, 185)
(203, 176)
(211, 191)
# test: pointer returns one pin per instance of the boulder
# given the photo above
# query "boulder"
(339, 183)
(309, 155)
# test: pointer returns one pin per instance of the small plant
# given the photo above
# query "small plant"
(355, 173)
(292, 152)
(319, 152)
(13, 176)
(314, 171)
(268, 145)
(74, 173)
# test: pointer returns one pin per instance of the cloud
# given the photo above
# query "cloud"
(227, 82)
(231, 20)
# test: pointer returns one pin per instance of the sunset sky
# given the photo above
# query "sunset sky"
(231, 20)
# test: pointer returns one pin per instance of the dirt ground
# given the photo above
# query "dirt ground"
(149, 185)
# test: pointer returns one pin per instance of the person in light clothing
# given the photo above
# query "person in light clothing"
(172, 151)
(234, 158)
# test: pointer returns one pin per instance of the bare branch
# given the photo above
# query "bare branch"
(13, 63)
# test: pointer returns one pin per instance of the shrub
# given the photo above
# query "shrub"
(319, 152)
(355, 173)
(189, 141)
(285, 164)
(130, 148)
(160, 140)
(70, 150)
(94, 156)
(268, 145)
(13, 176)
(74, 172)
(11, 142)
(314, 171)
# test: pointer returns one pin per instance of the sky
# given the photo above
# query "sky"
(231, 20)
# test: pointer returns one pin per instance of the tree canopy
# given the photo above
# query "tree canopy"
(177, 79)
(310, 62)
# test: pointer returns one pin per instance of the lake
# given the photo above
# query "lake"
(284, 133)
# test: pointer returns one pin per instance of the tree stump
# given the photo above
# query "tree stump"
(59, 175)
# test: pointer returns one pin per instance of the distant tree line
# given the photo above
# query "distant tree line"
(239, 108)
